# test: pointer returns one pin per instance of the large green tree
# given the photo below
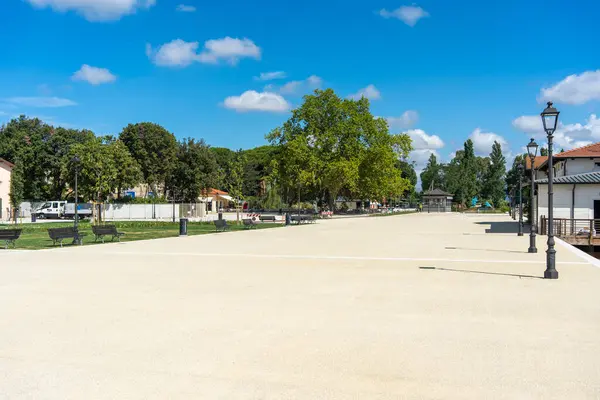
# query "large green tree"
(461, 174)
(332, 146)
(494, 183)
(96, 170)
(60, 143)
(26, 139)
(154, 148)
(195, 170)
(432, 177)
(17, 187)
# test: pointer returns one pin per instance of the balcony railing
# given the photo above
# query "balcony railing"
(571, 227)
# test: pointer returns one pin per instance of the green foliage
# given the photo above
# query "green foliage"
(544, 152)
(97, 172)
(494, 183)
(235, 177)
(432, 177)
(17, 185)
(512, 176)
(105, 166)
(461, 174)
(129, 172)
(332, 145)
(154, 148)
(195, 169)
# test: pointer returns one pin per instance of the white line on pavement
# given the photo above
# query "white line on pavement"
(323, 257)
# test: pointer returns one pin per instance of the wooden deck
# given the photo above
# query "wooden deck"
(578, 232)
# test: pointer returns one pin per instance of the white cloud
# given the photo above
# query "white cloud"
(370, 92)
(179, 53)
(269, 76)
(229, 50)
(424, 146)
(568, 136)
(95, 10)
(296, 87)
(254, 101)
(483, 141)
(421, 140)
(406, 120)
(410, 15)
(185, 8)
(291, 87)
(574, 89)
(314, 81)
(93, 75)
(41, 102)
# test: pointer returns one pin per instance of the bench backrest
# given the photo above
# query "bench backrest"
(58, 233)
(104, 229)
(10, 234)
(219, 223)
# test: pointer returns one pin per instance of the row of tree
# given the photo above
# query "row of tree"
(330, 147)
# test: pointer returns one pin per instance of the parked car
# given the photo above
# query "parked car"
(51, 210)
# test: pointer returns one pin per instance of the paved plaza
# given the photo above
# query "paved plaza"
(418, 306)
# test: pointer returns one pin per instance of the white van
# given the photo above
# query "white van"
(51, 210)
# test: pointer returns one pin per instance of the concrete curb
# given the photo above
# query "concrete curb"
(580, 253)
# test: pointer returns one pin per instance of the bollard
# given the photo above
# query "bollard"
(183, 226)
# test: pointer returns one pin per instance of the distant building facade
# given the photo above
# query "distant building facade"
(5, 173)
(576, 184)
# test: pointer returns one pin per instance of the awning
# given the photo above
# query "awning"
(585, 178)
(224, 196)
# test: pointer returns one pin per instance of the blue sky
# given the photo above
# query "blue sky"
(441, 70)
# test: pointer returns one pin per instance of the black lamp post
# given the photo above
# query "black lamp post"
(550, 121)
(532, 149)
(520, 170)
(76, 162)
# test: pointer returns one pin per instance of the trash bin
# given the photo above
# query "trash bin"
(33, 217)
(220, 215)
(183, 226)
(288, 219)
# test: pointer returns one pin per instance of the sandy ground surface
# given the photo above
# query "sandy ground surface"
(408, 307)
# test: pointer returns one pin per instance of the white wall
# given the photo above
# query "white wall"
(582, 165)
(4, 190)
(140, 211)
(563, 195)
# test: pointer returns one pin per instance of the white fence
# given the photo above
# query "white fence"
(140, 211)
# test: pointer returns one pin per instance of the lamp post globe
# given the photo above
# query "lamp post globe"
(532, 149)
(550, 122)
(520, 171)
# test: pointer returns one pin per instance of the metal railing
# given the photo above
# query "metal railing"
(563, 227)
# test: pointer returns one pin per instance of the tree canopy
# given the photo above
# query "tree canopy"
(332, 146)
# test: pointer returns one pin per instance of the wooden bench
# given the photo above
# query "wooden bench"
(221, 225)
(249, 223)
(58, 235)
(100, 231)
(267, 218)
(9, 236)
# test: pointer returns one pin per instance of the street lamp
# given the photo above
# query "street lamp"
(532, 149)
(550, 121)
(76, 162)
(520, 171)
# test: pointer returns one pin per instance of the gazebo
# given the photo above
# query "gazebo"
(437, 200)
